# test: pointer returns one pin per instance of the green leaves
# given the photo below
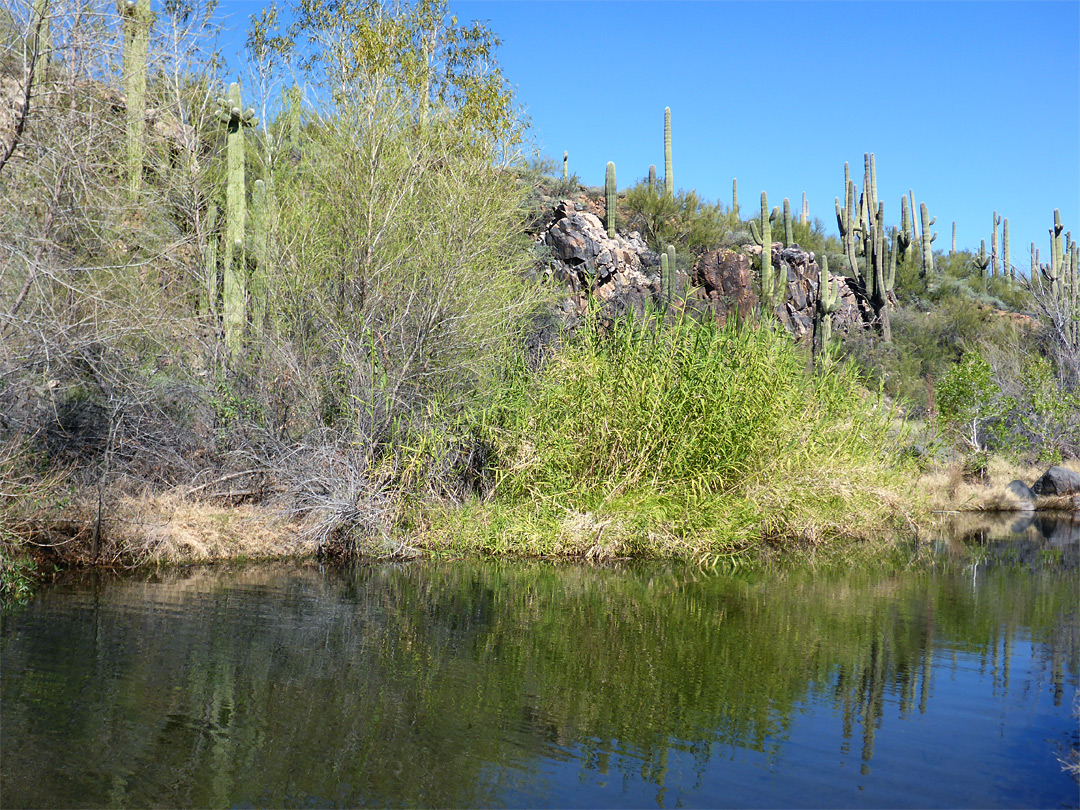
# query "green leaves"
(968, 398)
(374, 55)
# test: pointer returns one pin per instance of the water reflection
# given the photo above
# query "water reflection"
(518, 684)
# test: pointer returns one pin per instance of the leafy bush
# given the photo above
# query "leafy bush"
(683, 220)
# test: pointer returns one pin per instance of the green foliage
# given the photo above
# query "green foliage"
(685, 220)
(673, 423)
(969, 399)
(426, 291)
(374, 55)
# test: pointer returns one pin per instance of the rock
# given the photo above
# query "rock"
(1057, 481)
(623, 274)
(1021, 495)
(725, 279)
(620, 272)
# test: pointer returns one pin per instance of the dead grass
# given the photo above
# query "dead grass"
(948, 490)
(168, 528)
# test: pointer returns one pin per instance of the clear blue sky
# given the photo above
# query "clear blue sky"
(973, 105)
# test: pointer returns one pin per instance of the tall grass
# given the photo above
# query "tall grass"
(683, 439)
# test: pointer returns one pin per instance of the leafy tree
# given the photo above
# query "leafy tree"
(969, 399)
(373, 55)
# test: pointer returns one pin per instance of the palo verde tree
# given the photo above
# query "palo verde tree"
(370, 53)
(407, 281)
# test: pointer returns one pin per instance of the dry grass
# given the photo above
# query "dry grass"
(168, 528)
(948, 490)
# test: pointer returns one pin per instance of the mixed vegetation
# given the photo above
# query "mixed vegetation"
(321, 303)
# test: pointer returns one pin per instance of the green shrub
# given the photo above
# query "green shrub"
(683, 220)
(687, 438)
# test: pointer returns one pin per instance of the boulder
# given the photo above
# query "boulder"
(1057, 481)
(725, 279)
(1021, 496)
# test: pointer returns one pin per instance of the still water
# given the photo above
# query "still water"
(533, 684)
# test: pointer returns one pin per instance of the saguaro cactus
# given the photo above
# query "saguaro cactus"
(952, 249)
(233, 115)
(981, 262)
(565, 165)
(907, 231)
(137, 21)
(735, 196)
(652, 178)
(846, 224)
(994, 246)
(667, 274)
(773, 286)
(43, 33)
(828, 302)
(927, 239)
(1006, 262)
(609, 188)
(804, 215)
(789, 237)
(669, 178)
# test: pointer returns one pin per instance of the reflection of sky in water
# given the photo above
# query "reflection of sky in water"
(977, 744)
(475, 685)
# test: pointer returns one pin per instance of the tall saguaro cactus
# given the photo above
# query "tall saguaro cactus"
(927, 239)
(994, 246)
(952, 249)
(669, 179)
(1006, 259)
(609, 188)
(43, 33)
(235, 118)
(137, 21)
(789, 236)
(773, 285)
(804, 214)
(735, 196)
(565, 165)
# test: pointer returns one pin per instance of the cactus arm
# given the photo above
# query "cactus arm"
(668, 270)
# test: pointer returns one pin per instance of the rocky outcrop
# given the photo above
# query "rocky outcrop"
(623, 275)
(619, 272)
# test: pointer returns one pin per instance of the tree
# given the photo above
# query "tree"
(373, 55)
(969, 399)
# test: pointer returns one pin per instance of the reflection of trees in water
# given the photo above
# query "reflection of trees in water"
(429, 684)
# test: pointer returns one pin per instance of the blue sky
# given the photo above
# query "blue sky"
(973, 105)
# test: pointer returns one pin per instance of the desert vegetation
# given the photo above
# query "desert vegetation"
(311, 291)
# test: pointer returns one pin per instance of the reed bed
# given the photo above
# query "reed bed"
(680, 438)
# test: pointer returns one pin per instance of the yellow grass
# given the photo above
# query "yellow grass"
(946, 490)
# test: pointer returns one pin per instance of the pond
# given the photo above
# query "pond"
(951, 683)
